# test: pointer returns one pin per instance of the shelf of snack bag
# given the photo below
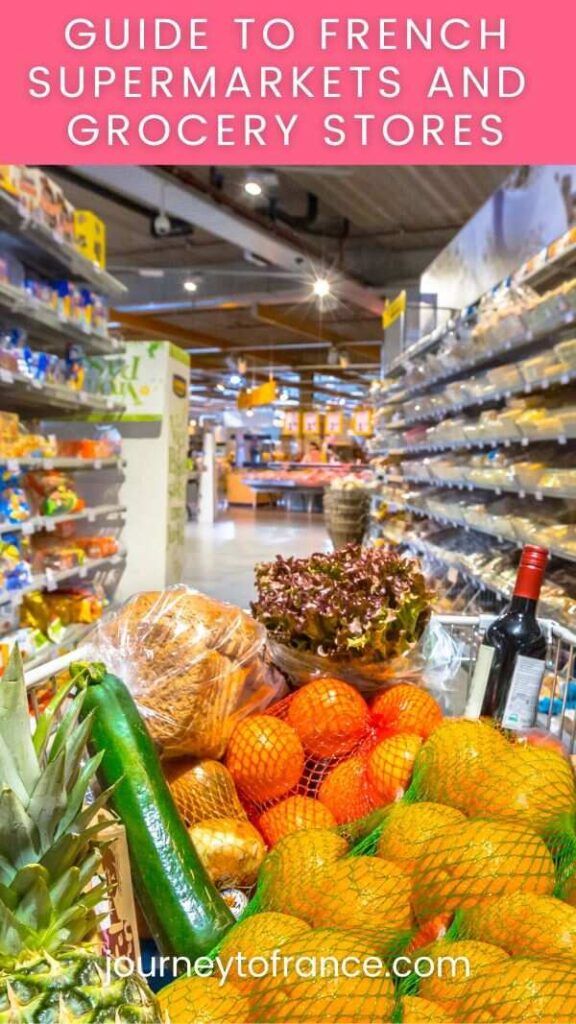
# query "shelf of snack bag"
(460, 832)
(53, 235)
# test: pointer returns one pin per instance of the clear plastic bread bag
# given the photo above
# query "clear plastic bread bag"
(192, 664)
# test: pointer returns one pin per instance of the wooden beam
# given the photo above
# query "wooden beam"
(305, 327)
(152, 327)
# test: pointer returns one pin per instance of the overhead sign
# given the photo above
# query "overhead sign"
(393, 309)
(334, 422)
(362, 422)
(264, 394)
(311, 422)
(291, 423)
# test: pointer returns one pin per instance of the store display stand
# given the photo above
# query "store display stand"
(154, 431)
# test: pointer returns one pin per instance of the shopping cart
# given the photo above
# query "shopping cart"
(557, 703)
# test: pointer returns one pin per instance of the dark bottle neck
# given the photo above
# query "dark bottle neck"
(525, 605)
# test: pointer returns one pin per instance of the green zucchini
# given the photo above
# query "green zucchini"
(185, 914)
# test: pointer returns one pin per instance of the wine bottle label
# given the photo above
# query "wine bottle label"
(479, 681)
(520, 710)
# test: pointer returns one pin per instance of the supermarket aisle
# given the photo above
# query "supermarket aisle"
(220, 558)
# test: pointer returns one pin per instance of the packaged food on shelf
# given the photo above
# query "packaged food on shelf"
(100, 546)
(503, 377)
(90, 236)
(55, 555)
(14, 504)
(529, 474)
(10, 175)
(566, 352)
(541, 367)
(54, 493)
(11, 270)
(547, 313)
(557, 479)
(15, 569)
(194, 666)
(41, 609)
(568, 291)
(88, 448)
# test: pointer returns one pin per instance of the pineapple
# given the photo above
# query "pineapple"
(50, 971)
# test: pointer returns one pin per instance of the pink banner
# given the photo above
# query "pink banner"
(273, 83)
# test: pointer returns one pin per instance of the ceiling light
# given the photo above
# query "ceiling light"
(235, 380)
(150, 272)
(321, 287)
(190, 286)
(253, 188)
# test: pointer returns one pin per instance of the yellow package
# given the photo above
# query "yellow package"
(90, 236)
(10, 178)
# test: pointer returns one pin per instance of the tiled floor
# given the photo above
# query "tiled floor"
(220, 558)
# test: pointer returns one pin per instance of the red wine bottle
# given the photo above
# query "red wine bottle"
(512, 657)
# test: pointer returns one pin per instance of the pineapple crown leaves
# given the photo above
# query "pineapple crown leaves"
(50, 847)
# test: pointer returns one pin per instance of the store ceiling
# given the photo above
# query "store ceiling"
(371, 230)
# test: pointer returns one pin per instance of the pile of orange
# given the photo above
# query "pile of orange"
(324, 756)
(491, 893)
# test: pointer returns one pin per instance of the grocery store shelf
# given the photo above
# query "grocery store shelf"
(41, 249)
(494, 441)
(490, 398)
(38, 524)
(484, 358)
(43, 324)
(548, 271)
(557, 552)
(50, 580)
(72, 636)
(37, 398)
(513, 487)
(61, 462)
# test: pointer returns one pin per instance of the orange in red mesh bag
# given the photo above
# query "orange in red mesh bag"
(191, 663)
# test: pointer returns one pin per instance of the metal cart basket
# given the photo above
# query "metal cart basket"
(557, 703)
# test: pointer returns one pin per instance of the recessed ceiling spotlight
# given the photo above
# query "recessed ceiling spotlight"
(253, 188)
(190, 286)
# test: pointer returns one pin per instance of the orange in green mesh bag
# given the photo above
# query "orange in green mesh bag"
(471, 765)
(524, 924)
(455, 763)
(204, 1001)
(416, 1010)
(316, 987)
(365, 895)
(455, 963)
(467, 863)
(407, 828)
(521, 990)
(256, 936)
(289, 873)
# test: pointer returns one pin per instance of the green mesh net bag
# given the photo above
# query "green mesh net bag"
(430, 875)
(477, 768)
